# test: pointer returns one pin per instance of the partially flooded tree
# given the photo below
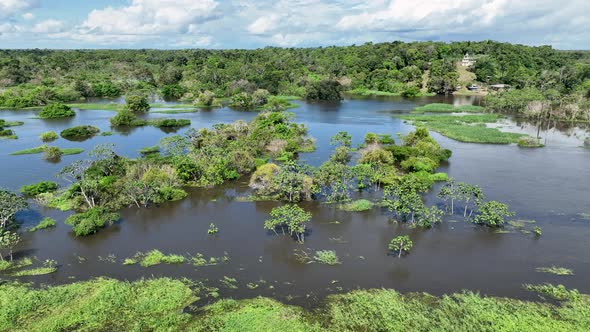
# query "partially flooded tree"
(291, 218)
(342, 138)
(8, 240)
(492, 213)
(450, 191)
(10, 204)
(471, 195)
(76, 173)
(400, 244)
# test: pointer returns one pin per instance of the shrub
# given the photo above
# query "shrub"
(124, 117)
(91, 221)
(79, 132)
(39, 188)
(52, 153)
(48, 136)
(137, 104)
(54, 111)
(206, 98)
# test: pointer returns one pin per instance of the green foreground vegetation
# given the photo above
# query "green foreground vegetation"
(168, 305)
(466, 128)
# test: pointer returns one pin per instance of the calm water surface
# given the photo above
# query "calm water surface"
(549, 185)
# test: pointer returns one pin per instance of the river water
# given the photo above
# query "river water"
(549, 185)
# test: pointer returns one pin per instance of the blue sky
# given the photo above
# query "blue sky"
(294, 23)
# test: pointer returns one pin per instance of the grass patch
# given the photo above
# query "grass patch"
(529, 142)
(96, 107)
(49, 266)
(42, 148)
(466, 128)
(327, 257)
(178, 111)
(106, 133)
(60, 201)
(447, 108)
(154, 257)
(43, 224)
(560, 271)
(157, 305)
(357, 206)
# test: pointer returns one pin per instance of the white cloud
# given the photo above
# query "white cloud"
(264, 24)
(9, 8)
(28, 16)
(48, 26)
(149, 17)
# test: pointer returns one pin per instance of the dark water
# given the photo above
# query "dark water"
(549, 185)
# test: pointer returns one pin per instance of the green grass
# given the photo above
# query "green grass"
(466, 128)
(560, 271)
(40, 149)
(447, 108)
(357, 206)
(177, 111)
(43, 224)
(157, 305)
(102, 107)
(12, 123)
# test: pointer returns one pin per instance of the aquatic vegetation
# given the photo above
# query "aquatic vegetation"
(49, 266)
(560, 271)
(49, 151)
(448, 108)
(358, 205)
(529, 142)
(151, 150)
(154, 257)
(465, 128)
(585, 216)
(559, 292)
(212, 229)
(48, 136)
(228, 282)
(106, 133)
(39, 188)
(327, 257)
(57, 110)
(537, 231)
(79, 132)
(43, 224)
(401, 243)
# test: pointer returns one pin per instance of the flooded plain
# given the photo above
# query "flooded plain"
(549, 185)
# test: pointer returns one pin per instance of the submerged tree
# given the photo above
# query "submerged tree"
(470, 194)
(400, 244)
(290, 217)
(450, 191)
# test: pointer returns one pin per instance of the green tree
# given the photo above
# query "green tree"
(8, 240)
(492, 213)
(470, 194)
(57, 110)
(290, 217)
(450, 191)
(400, 244)
(343, 138)
(10, 204)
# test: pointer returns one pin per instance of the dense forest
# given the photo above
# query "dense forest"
(38, 77)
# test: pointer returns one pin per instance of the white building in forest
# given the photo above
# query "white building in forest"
(467, 61)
